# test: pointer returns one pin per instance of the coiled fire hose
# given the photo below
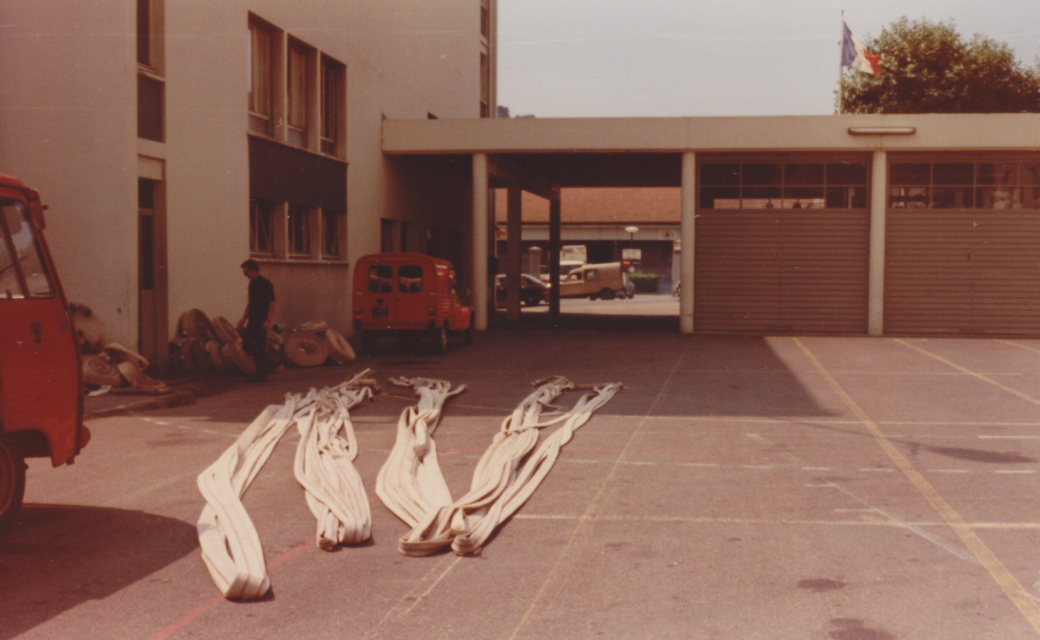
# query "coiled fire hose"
(324, 466)
(411, 485)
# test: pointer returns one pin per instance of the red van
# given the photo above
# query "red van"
(408, 294)
(41, 408)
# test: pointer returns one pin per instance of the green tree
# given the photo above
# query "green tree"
(928, 68)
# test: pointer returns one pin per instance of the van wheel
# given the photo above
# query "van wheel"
(368, 343)
(607, 294)
(440, 337)
(12, 485)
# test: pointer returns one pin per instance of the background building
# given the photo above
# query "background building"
(171, 140)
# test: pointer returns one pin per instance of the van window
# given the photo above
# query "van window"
(410, 278)
(592, 274)
(26, 252)
(380, 278)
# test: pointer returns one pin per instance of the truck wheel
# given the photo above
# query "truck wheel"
(440, 337)
(12, 485)
(607, 294)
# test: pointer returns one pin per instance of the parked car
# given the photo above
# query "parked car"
(630, 287)
(408, 294)
(595, 281)
(532, 290)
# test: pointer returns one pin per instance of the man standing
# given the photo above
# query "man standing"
(257, 318)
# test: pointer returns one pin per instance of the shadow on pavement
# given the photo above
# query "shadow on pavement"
(60, 556)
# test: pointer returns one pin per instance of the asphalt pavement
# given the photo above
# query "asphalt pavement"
(739, 487)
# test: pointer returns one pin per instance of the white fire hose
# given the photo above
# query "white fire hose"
(411, 485)
(324, 466)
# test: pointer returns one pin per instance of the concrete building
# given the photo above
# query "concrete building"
(172, 140)
(852, 224)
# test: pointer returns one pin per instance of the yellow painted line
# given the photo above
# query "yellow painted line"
(1004, 578)
(1020, 346)
(979, 376)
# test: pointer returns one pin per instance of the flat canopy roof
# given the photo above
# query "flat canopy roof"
(647, 152)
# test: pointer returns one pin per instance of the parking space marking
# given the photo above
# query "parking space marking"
(979, 376)
(1025, 603)
(595, 505)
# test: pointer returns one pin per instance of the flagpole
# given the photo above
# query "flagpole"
(841, 66)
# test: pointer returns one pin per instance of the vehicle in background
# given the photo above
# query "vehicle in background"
(41, 406)
(532, 290)
(630, 287)
(595, 281)
(566, 266)
(408, 294)
(574, 253)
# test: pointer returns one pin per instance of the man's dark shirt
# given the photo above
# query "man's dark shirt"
(261, 295)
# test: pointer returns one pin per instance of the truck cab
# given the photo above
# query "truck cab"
(408, 294)
(41, 407)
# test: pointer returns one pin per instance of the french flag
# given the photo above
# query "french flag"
(855, 55)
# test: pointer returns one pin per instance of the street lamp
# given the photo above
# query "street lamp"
(631, 235)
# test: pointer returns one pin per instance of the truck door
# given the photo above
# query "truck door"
(413, 296)
(39, 367)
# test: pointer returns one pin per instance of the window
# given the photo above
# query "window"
(330, 233)
(25, 260)
(144, 32)
(260, 68)
(149, 108)
(787, 185)
(386, 236)
(332, 98)
(261, 227)
(380, 278)
(297, 95)
(485, 87)
(964, 185)
(410, 278)
(299, 232)
(485, 19)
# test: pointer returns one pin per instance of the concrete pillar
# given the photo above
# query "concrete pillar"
(554, 257)
(876, 282)
(686, 235)
(480, 241)
(513, 230)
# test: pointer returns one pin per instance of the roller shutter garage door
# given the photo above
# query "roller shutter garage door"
(963, 249)
(799, 266)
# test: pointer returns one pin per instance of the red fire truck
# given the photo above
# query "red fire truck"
(41, 407)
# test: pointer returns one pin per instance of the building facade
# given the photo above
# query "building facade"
(172, 140)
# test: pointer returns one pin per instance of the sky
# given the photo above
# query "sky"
(686, 58)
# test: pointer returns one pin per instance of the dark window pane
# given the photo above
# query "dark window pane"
(410, 279)
(761, 174)
(952, 197)
(960, 173)
(380, 278)
(917, 173)
(803, 174)
(998, 173)
(804, 197)
(720, 174)
(147, 253)
(145, 194)
(759, 197)
(846, 197)
(850, 173)
(37, 279)
(908, 198)
(144, 29)
(720, 198)
(149, 108)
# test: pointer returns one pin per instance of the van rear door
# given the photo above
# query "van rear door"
(39, 366)
(413, 295)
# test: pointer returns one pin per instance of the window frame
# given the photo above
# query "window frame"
(260, 88)
(298, 232)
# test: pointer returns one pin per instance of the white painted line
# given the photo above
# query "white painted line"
(876, 470)
(699, 464)
(817, 468)
(829, 485)
(758, 521)
(1025, 471)
(758, 466)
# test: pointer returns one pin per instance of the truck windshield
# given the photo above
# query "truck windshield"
(23, 273)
